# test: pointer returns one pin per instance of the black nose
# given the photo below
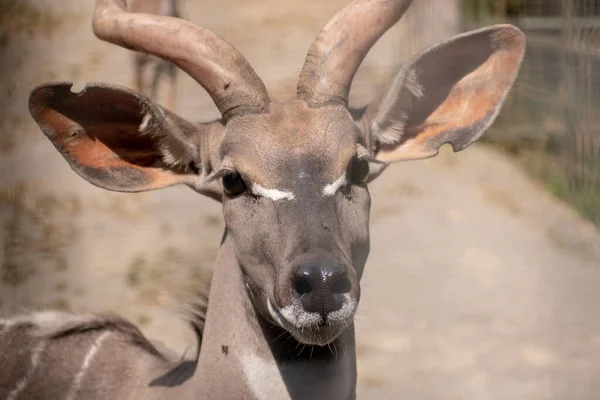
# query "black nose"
(321, 287)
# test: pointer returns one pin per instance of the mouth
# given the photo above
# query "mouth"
(312, 328)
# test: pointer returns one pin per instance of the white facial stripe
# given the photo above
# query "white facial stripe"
(272, 194)
(332, 188)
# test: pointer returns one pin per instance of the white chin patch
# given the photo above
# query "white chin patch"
(299, 318)
(296, 316)
(346, 312)
(273, 194)
(332, 188)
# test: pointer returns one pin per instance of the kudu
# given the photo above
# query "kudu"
(292, 179)
(148, 84)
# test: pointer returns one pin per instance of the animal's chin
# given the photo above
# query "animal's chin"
(318, 336)
(312, 330)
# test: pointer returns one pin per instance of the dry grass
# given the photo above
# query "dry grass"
(170, 276)
(18, 17)
(35, 231)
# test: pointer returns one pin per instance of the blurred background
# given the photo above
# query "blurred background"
(485, 265)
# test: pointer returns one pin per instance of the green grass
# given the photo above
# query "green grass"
(588, 205)
(547, 167)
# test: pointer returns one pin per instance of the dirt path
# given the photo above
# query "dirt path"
(479, 286)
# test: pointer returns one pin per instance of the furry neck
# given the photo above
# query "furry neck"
(243, 355)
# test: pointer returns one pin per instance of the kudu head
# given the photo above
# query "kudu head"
(292, 177)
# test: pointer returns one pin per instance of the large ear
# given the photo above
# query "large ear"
(450, 93)
(122, 141)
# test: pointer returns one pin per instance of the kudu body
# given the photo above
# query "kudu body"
(292, 179)
(150, 70)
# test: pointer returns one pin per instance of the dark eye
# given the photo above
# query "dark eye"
(359, 172)
(233, 184)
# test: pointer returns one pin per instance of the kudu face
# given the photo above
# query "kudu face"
(298, 213)
(292, 177)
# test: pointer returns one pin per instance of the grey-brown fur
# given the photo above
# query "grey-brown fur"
(43, 357)
(293, 182)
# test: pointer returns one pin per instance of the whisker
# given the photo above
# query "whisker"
(283, 332)
(301, 350)
(335, 348)
(330, 350)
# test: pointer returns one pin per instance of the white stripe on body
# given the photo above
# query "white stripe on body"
(23, 382)
(86, 364)
(40, 319)
(5, 325)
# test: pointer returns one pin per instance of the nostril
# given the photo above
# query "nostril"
(342, 286)
(302, 286)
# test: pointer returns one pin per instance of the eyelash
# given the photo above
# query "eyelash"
(220, 174)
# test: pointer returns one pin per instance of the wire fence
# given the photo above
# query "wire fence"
(551, 120)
